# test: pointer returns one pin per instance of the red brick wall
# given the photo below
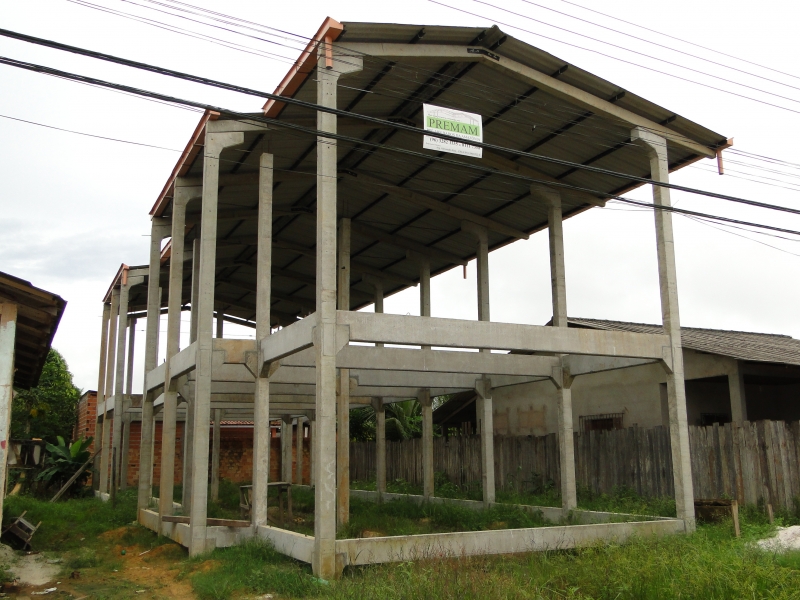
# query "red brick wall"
(133, 454)
(87, 418)
(235, 455)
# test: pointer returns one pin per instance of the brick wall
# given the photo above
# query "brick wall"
(87, 418)
(235, 455)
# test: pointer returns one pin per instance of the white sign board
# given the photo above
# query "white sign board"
(456, 123)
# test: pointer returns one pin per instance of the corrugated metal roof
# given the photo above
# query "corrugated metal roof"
(742, 345)
(516, 115)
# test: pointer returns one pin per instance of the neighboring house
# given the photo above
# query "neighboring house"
(29, 317)
(730, 376)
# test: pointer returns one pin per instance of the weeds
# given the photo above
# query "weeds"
(253, 567)
(64, 524)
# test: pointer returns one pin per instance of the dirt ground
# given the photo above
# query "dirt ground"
(141, 572)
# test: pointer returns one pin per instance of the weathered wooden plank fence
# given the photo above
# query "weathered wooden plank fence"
(755, 462)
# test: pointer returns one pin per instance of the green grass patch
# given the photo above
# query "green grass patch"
(253, 567)
(65, 523)
(709, 564)
(621, 500)
(406, 517)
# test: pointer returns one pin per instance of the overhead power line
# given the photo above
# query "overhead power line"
(408, 72)
(326, 134)
(650, 56)
(749, 62)
(338, 112)
(654, 43)
(617, 58)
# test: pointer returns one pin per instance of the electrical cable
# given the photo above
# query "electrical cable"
(268, 121)
(650, 56)
(203, 37)
(571, 132)
(539, 108)
(461, 10)
(641, 39)
(681, 40)
(338, 112)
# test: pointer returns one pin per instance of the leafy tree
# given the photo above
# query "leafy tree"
(403, 420)
(362, 424)
(49, 409)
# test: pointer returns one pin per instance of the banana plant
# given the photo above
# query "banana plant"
(63, 461)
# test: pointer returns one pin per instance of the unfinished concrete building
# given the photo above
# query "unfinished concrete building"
(277, 226)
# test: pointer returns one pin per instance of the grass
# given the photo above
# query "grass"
(67, 525)
(710, 563)
(406, 517)
(621, 500)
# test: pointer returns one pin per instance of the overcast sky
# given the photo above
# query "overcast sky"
(75, 207)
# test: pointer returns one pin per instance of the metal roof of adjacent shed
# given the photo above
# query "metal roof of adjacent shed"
(38, 315)
(742, 345)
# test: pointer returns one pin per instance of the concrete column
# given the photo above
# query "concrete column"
(286, 448)
(215, 456)
(119, 383)
(343, 396)
(552, 199)
(169, 416)
(105, 455)
(261, 432)
(484, 412)
(159, 228)
(737, 393)
(482, 262)
(195, 289)
(427, 443)
(312, 433)
(380, 445)
(188, 453)
(101, 375)
(656, 148)
(215, 142)
(220, 324)
(424, 289)
(324, 559)
(566, 443)
(126, 404)
(8, 331)
(377, 285)
(298, 452)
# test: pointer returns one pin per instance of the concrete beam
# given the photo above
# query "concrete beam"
(408, 330)
(297, 336)
(426, 360)
(583, 365)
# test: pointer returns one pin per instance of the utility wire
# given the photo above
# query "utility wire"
(647, 41)
(611, 56)
(283, 124)
(338, 112)
(681, 39)
(537, 110)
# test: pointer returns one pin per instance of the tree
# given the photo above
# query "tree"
(49, 409)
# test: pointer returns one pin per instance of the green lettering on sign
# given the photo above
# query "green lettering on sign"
(454, 126)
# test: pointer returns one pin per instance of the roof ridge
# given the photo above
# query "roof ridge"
(758, 333)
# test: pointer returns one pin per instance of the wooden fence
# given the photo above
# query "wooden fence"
(755, 462)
